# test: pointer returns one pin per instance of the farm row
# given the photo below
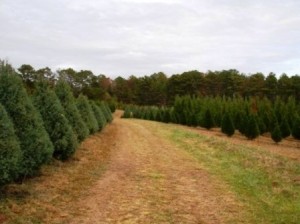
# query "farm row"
(48, 123)
(251, 117)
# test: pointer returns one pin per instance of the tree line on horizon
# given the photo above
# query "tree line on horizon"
(47, 122)
(159, 89)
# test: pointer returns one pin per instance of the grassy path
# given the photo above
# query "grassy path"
(149, 180)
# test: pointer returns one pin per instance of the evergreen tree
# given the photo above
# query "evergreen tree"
(10, 151)
(35, 143)
(276, 134)
(285, 128)
(296, 128)
(252, 130)
(208, 120)
(57, 125)
(106, 111)
(87, 113)
(127, 113)
(67, 100)
(227, 126)
(166, 117)
(98, 115)
(261, 125)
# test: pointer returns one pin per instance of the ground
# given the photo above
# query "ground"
(129, 173)
(148, 180)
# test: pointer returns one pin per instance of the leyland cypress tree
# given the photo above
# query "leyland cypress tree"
(276, 134)
(285, 128)
(296, 127)
(252, 130)
(98, 115)
(10, 151)
(35, 143)
(106, 111)
(67, 100)
(55, 122)
(227, 126)
(87, 113)
(208, 120)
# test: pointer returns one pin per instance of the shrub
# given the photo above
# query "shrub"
(67, 100)
(276, 134)
(10, 151)
(285, 128)
(208, 120)
(296, 128)
(87, 113)
(252, 130)
(227, 126)
(98, 115)
(106, 111)
(35, 143)
(55, 122)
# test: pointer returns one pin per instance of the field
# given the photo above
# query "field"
(139, 171)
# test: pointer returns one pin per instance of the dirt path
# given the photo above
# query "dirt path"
(149, 180)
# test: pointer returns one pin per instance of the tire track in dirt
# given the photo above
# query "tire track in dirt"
(149, 180)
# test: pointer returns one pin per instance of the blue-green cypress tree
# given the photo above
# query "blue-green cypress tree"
(276, 133)
(67, 100)
(98, 115)
(57, 125)
(227, 126)
(87, 113)
(35, 143)
(10, 151)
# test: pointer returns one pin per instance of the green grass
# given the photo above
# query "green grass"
(261, 180)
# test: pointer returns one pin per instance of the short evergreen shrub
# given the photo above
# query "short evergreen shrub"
(296, 128)
(285, 128)
(35, 143)
(10, 151)
(207, 120)
(106, 111)
(87, 113)
(227, 126)
(98, 115)
(276, 134)
(67, 100)
(251, 129)
(57, 125)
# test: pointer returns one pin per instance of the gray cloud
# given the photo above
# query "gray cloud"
(124, 37)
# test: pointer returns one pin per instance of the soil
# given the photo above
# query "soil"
(149, 180)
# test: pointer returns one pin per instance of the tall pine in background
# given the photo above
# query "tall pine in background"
(35, 143)
(64, 93)
(55, 122)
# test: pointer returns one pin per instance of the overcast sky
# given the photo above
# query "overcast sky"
(140, 37)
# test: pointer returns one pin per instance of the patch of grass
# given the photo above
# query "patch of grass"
(264, 182)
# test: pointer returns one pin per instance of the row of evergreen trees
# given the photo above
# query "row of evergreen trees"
(49, 123)
(251, 117)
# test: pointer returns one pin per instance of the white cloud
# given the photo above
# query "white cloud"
(124, 37)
